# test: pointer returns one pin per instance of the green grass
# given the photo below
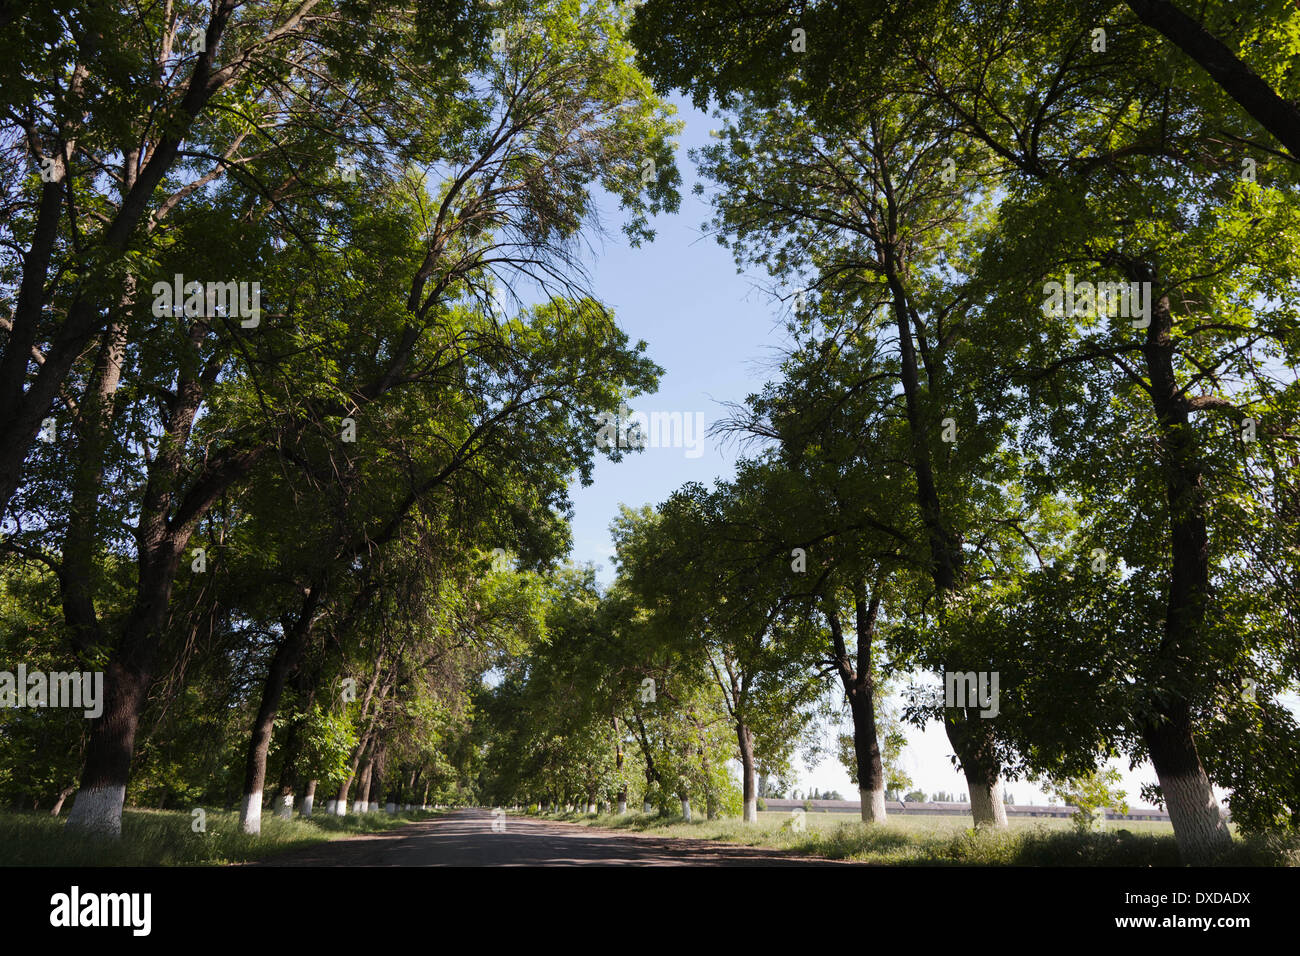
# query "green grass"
(950, 841)
(165, 838)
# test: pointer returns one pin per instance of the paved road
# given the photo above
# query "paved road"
(466, 838)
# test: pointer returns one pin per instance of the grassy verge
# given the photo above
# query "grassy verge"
(950, 841)
(166, 838)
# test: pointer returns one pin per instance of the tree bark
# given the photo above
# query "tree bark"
(162, 534)
(362, 803)
(76, 567)
(378, 770)
(859, 688)
(618, 760)
(1199, 827)
(745, 738)
(283, 661)
(101, 796)
(973, 745)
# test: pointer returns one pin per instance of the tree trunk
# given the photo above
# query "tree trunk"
(622, 784)
(358, 752)
(97, 810)
(362, 803)
(973, 746)
(76, 570)
(309, 798)
(745, 737)
(288, 771)
(866, 746)
(375, 798)
(859, 688)
(282, 663)
(341, 801)
(987, 803)
(166, 523)
(974, 743)
(686, 809)
(1199, 827)
(63, 795)
(651, 773)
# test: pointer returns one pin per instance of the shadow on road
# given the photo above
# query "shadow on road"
(466, 838)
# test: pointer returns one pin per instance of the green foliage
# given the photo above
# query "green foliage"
(1091, 795)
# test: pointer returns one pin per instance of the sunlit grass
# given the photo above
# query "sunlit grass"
(167, 838)
(950, 840)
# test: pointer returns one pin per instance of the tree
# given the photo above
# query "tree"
(396, 285)
(864, 212)
(1165, 143)
(695, 566)
(1091, 796)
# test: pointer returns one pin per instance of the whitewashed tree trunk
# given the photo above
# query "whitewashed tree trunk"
(986, 803)
(622, 807)
(250, 813)
(390, 807)
(98, 811)
(333, 809)
(1198, 823)
(359, 806)
(646, 807)
(286, 807)
(307, 801)
(873, 805)
(751, 811)
(686, 809)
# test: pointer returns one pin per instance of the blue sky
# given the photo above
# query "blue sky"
(717, 335)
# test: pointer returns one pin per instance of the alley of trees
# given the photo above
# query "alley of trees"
(1037, 272)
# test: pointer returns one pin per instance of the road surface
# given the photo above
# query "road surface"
(466, 838)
